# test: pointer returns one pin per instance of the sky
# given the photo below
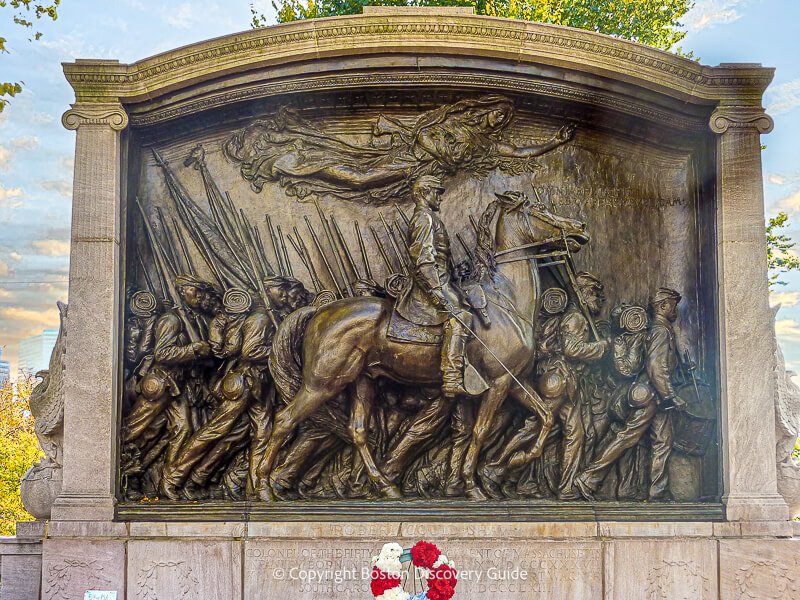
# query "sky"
(36, 152)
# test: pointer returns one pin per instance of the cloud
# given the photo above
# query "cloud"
(15, 256)
(5, 270)
(707, 13)
(776, 179)
(788, 328)
(785, 299)
(7, 196)
(784, 97)
(790, 203)
(68, 163)
(181, 17)
(51, 247)
(39, 319)
(27, 142)
(5, 158)
(61, 186)
(5, 293)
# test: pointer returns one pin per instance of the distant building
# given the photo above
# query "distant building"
(35, 351)
(5, 369)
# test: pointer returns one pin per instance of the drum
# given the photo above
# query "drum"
(693, 428)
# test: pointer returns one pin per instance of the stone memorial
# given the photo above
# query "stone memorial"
(414, 274)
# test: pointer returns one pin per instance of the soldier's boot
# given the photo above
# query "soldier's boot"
(453, 359)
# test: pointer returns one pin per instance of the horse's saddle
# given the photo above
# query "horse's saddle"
(402, 330)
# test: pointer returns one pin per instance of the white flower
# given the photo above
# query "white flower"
(443, 560)
(388, 560)
(396, 593)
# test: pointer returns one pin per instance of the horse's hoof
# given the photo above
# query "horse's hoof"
(475, 493)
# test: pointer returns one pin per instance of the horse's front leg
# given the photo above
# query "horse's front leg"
(363, 401)
(490, 402)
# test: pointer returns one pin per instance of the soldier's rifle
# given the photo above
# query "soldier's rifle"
(204, 245)
(147, 279)
(363, 249)
(312, 270)
(348, 257)
(284, 252)
(314, 281)
(382, 249)
(318, 246)
(168, 278)
(326, 228)
(393, 244)
(273, 237)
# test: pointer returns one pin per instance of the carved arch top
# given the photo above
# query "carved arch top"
(425, 35)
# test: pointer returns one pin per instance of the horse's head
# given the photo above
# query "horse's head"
(524, 222)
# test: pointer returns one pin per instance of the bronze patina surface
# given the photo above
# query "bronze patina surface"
(451, 296)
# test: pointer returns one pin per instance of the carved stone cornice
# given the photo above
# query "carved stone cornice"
(740, 117)
(423, 35)
(110, 114)
(406, 80)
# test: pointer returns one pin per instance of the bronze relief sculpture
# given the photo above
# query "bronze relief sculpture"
(479, 367)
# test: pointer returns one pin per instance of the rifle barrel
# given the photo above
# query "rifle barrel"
(363, 249)
(393, 244)
(382, 250)
(315, 239)
(349, 257)
(326, 228)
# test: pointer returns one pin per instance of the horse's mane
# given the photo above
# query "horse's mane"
(486, 243)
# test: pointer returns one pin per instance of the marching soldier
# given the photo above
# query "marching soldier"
(162, 387)
(651, 399)
(242, 338)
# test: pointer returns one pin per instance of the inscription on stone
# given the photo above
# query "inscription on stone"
(310, 570)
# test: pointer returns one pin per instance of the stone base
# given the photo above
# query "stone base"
(513, 561)
(21, 563)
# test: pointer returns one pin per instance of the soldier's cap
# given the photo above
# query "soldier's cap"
(665, 294)
(586, 279)
(282, 281)
(429, 181)
(187, 280)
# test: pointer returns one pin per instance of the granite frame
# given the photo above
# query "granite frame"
(391, 48)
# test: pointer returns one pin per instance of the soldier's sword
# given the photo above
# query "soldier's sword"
(493, 355)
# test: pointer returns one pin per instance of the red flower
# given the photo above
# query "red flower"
(442, 583)
(382, 581)
(424, 554)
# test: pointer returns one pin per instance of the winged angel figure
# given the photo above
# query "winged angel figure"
(308, 162)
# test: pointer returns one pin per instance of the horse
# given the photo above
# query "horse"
(345, 347)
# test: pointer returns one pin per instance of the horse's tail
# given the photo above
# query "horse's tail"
(286, 358)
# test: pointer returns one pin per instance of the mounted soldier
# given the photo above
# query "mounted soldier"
(432, 299)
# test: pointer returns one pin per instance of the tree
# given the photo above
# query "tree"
(780, 256)
(652, 22)
(18, 450)
(23, 13)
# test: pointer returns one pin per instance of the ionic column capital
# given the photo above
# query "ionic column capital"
(111, 114)
(740, 117)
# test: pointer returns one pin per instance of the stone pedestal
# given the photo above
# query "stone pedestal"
(524, 561)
